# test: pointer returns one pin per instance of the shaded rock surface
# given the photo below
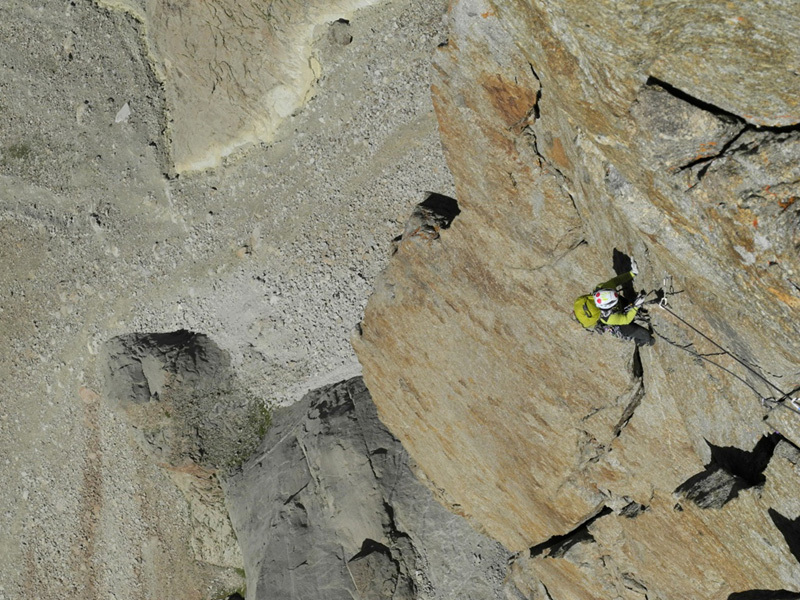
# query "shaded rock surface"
(571, 131)
(181, 395)
(328, 507)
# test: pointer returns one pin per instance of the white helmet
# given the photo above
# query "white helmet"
(605, 299)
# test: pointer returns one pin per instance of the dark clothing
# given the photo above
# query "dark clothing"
(633, 332)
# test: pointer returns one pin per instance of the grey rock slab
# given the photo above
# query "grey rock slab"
(673, 133)
(328, 507)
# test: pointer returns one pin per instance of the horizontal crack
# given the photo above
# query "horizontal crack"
(729, 147)
(689, 99)
(558, 545)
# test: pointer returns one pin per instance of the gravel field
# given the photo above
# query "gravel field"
(272, 255)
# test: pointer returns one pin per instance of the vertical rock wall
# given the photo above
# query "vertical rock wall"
(573, 130)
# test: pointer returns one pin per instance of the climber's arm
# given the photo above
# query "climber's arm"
(622, 318)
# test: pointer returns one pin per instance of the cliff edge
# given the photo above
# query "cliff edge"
(578, 135)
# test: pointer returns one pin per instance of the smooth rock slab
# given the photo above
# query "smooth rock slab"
(328, 508)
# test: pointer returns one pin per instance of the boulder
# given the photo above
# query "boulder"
(187, 412)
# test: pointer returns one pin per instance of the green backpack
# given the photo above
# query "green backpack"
(586, 311)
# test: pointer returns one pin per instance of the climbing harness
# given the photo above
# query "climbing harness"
(785, 399)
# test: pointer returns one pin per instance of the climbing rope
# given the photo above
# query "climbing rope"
(793, 404)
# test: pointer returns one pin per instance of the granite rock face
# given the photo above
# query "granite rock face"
(328, 507)
(578, 134)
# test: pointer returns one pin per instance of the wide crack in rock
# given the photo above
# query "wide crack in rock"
(636, 396)
(676, 122)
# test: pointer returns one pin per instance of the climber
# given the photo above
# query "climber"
(602, 310)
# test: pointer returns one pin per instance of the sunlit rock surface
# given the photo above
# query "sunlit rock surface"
(573, 131)
(232, 71)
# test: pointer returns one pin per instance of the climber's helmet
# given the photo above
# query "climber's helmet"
(605, 299)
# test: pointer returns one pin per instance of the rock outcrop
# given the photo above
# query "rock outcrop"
(180, 393)
(190, 416)
(577, 134)
(328, 507)
(271, 254)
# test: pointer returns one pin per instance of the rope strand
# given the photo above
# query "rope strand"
(708, 360)
(741, 361)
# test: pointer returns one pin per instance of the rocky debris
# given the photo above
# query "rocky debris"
(104, 245)
(571, 132)
(180, 394)
(339, 32)
(238, 68)
(101, 244)
(328, 507)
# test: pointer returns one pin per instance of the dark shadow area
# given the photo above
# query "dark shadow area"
(433, 214)
(370, 547)
(443, 206)
(236, 596)
(622, 264)
(558, 545)
(696, 102)
(637, 369)
(633, 510)
(765, 595)
(749, 466)
(730, 471)
(790, 529)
